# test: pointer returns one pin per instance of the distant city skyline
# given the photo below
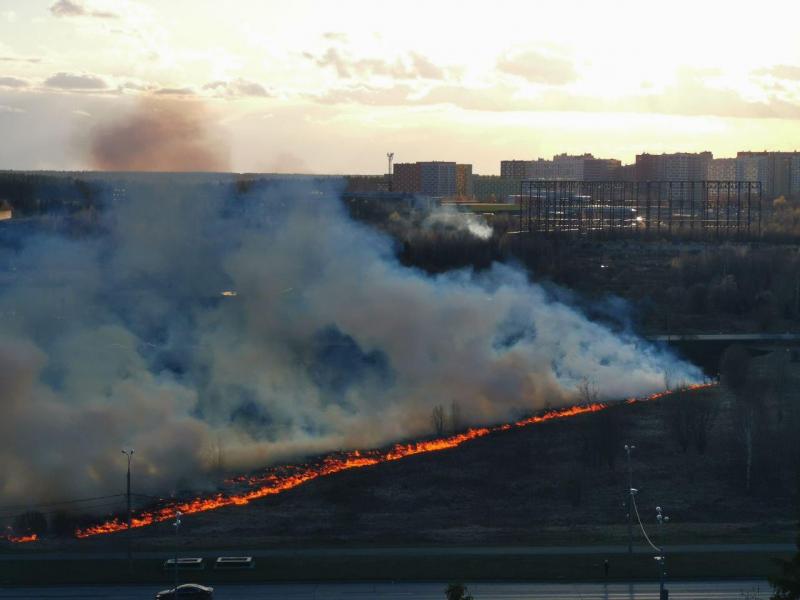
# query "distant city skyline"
(331, 87)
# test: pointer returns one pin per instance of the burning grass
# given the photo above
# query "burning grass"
(280, 479)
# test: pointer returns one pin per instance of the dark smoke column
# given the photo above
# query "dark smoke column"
(159, 135)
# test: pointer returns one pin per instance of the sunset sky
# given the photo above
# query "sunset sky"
(330, 87)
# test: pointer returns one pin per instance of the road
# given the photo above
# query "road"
(699, 590)
(410, 551)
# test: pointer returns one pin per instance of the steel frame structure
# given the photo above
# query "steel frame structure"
(662, 208)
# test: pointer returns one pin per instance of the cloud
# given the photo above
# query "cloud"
(781, 72)
(335, 36)
(397, 95)
(237, 88)
(73, 81)
(538, 67)
(75, 8)
(13, 82)
(184, 91)
(19, 59)
(412, 66)
(4, 108)
(689, 95)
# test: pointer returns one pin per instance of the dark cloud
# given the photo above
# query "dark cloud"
(237, 88)
(74, 81)
(75, 8)
(13, 82)
(160, 135)
(413, 66)
(538, 67)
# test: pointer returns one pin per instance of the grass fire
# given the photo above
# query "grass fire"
(276, 480)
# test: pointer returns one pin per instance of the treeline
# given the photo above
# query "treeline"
(30, 194)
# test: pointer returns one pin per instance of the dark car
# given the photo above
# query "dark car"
(187, 591)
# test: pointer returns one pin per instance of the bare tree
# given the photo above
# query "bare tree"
(705, 415)
(678, 413)
(437, 420)
(455, 417)
(689, 418)
(587, 392)
(734, 373)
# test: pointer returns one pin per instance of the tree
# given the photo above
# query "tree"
(437, 420)
(734, 371)
(587, 392)
(455, 417)
(689, 419)
(705, 414)
(457, 591)
(62, 524)
(786, 586)
(30, 522)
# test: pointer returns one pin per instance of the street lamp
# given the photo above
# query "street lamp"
(176, 525)
(128, 452)
(628, 450)
(661, 518)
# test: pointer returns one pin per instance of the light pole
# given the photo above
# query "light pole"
(661, 518)
(628, 450)
(128, 452)
(176, 525)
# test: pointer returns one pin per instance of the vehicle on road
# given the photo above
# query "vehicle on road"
(187, 591)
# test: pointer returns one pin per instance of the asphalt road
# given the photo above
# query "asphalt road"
(409, 551)
(695, 590)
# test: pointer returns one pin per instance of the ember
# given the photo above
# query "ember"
(280, 479)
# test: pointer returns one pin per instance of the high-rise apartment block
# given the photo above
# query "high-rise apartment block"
(515, 169)
(406, 178)
(494, 188)
(464, 180)
(438, 179)
(601, 169)
(679, 166)
(722, 169)
(777, 171)
(569, 167)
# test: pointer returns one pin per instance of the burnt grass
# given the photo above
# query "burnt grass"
(556, 483)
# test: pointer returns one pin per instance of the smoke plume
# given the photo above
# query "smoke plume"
(252, 327)
(159, 135)
(449, 217)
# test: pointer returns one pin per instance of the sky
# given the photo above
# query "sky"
(330, 87)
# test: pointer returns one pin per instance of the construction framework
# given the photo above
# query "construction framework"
(663, 208)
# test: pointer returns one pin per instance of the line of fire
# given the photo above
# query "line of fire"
(278, 479)
(685, 209)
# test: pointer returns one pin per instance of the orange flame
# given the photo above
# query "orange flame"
(281, 479)
(22, 539)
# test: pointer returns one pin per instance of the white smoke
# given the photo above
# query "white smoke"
(449, 217)
(126, 338)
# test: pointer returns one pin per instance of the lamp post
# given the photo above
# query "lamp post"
(128, 452)
(661, 518)
(628, 450)
(176, 525)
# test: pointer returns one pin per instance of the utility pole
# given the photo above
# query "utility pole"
(129, 454)
(628, 450)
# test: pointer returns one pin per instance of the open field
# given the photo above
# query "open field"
(547, 484)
